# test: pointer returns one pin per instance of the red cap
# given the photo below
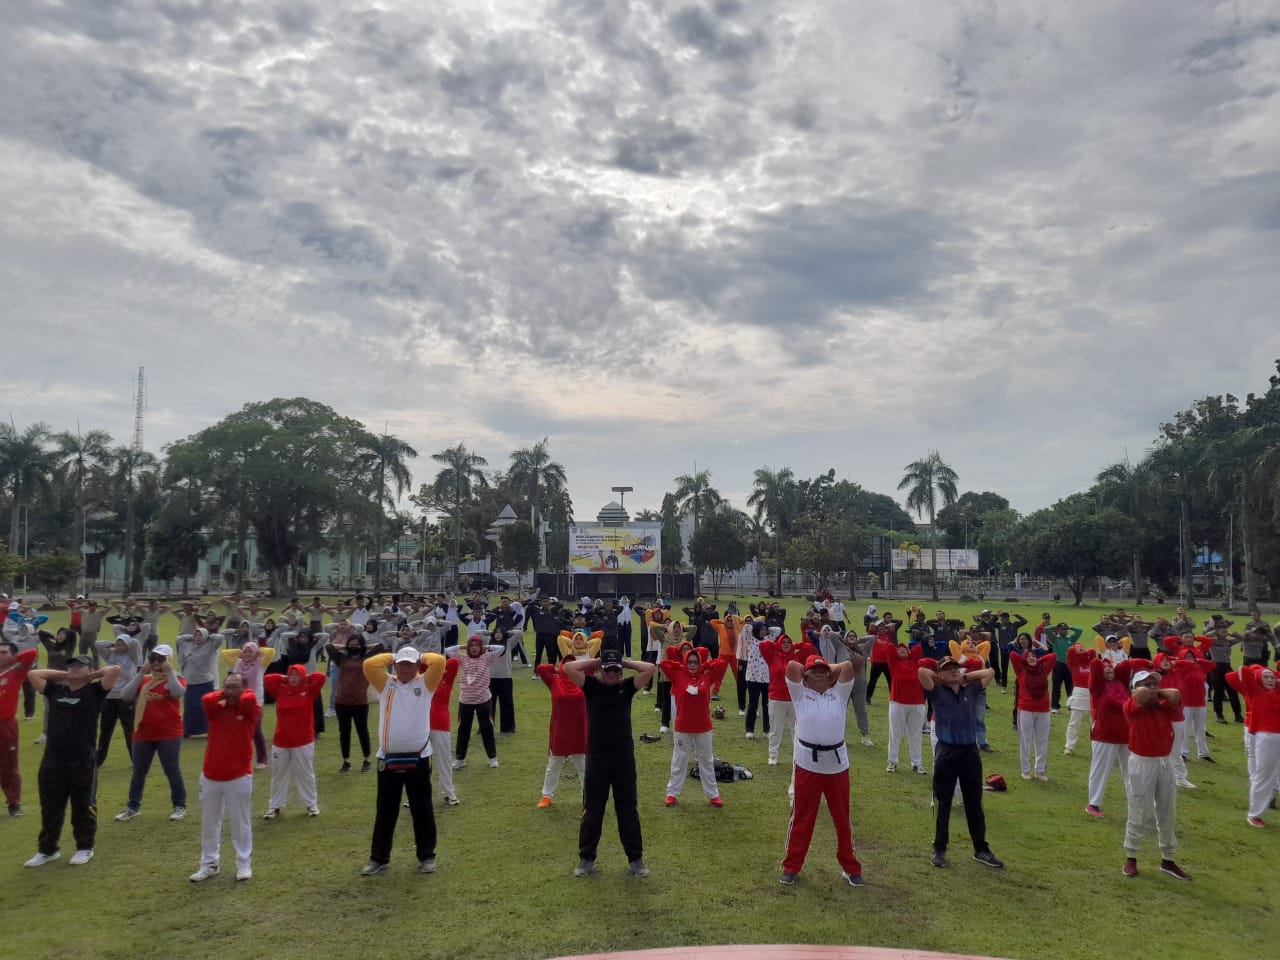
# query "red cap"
(816, 661)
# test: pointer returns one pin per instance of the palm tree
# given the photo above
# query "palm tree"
(648, 516)
(25, 465)
(81, 453)
(1124, 486)
(776, 499)
(129, 464)
(928, 479)
(695, 496)
(390, 479)
(454, 484)
(535, 476)
(1175, 465)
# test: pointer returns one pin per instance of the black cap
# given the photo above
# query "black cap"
(82, 661)
(611, 659)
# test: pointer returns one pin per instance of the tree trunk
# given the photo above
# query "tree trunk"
(933, 551)
(1187, 554)
(128, 534)
(242, 561)
(1250, 591)
(1137, 578)
(1077, 588)
(185, 584)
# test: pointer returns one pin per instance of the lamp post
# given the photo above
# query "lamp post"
(622, 494)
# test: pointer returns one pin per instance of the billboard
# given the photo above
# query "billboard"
(948, 560)
(635, 548)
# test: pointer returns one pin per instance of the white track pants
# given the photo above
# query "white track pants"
(1152, 793)
(297, 764)
(1266, 770)
(1179, 748)
(234, 798)
(686, 745)
(782, 717)
(555, 764)
(442, 759)
(1033, 738)
(1078, 719)
(906, 720)
(1105, 756)
(1195, 729)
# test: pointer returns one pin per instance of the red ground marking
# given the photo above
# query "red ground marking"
(777, 952)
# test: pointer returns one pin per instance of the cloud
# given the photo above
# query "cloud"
(724, 231)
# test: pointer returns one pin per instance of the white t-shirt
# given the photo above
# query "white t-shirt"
(820, 718)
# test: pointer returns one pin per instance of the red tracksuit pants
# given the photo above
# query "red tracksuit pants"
(811, 788)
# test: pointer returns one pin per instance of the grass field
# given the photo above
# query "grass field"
(504, 889)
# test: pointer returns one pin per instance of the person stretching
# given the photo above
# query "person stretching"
(1262, 699)
(474, 695)
(1150, 710)
(157, 729)
(1033, 672)
(568, 728)
(692, 682)
(777, 654)
(14, 667)
(1109, 730)
(441, 735)
(906, 707)
(226, 780)
(1080, 662)
(293, 746)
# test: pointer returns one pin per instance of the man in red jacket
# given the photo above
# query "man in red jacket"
(157, 729)
(226, 782)
(293, 747)
(1152, 793)
(14, 667)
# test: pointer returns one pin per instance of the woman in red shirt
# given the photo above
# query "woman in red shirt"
(568, 729)
(1262, 695)
(691, 684)
(157, 729)
(1033, 672)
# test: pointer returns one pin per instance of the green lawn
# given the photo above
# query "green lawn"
(504, 890)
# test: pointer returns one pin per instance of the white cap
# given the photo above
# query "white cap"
(407, 655)
(162, 650)
(1142, 675)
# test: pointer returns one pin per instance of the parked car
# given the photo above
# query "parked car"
(481, 581)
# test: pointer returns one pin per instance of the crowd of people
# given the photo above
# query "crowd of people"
(1140, 689)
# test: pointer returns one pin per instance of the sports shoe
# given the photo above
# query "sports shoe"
(15, 810)
(891, 768)
(787, 878)
(1208, 759)
(742, 713)
(918, 769)
(1026, 776)
(1257, 822)
(244, 873)
(867, 742)
(271, 814)
(40, 859)
(663, 730)
(773, 761)
(346, 766)
(259, 766)
(1130, 868)
(366, 767)
(126, 814)
(989, 859)
(717, 802)
(1093, 811)
(313, 811)
(458, 764)
(1055, 711)
(330, 714)
(80, 858)
(493, 761)
(939, 858)
(373, 868)
(1186, 785)
(1068, 752)
(1043, 777)
(1222, 719)
(670, 801)
(206, 871)
(750, 735)
(1173, 870)
(637, 868)
(585, 868)
(985, 748)
(450, 801)
(427, 866)
(179, 813)
(853, 879)
(41, 739)
(544, 803)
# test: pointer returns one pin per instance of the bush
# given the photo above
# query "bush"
(966, 598)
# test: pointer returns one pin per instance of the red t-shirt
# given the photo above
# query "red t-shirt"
(1190, 676)
(884, 650)
(1033, 682)
(568, 712)
(1079, 662)
(295, 715)
(904, 678)
(693, 694)
(1106, 705)
(1262, 705)
(228, 754)
(777, 660)
(158, 714)
(441, 717)
(1169, 680)
(11, 682)
(1150, 727)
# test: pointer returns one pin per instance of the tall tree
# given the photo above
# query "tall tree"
(454, 486)
(695, 496)
(1075, 540)
(518, 548)
(384, 458)
(672, 541)
(776, 499)
(25, 463)
(536, 477)
(1126, 487)
(720, 545)
(926, 481)
(77, 455)
(962, 520)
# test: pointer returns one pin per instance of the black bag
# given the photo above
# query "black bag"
(726, 772)
(399, 762)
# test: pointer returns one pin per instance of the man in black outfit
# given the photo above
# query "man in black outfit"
(611, 760)
(546, 628)
(69, 769)
(956, 697)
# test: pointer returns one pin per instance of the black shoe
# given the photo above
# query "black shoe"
(989, 859)
(365, 767)
(1208, 759)
(939, 858)
(986, 748)
(1222, 719)
(346, 766)
(787, 878)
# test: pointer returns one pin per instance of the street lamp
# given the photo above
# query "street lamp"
(622, 494)
(24, 517)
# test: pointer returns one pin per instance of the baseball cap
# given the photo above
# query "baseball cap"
(407, 655)
(948, 662)
(162, 650)
(611, 659)
(1142, 675)
(815, 661)
(1111, 636)
(81, 661)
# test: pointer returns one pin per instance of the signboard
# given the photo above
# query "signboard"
(948, 560)
(635, 548)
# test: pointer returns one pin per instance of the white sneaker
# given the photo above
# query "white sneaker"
(1186, 785)
(244, 873)
(126, 814)
(206, 871)
(458, 764)
(773, 761)
(40, 859)
(179, 813)
(271, 814)
(663, 730)
(330, 714)
(866, 742)
(313, 811)
(742, 713)
(891, 768)
(41, 738)
(493, 761)
(750, 735)
(80, 858)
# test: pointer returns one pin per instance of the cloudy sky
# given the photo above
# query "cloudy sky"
(736, 233)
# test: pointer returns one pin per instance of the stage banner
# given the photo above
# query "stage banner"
(635, 548)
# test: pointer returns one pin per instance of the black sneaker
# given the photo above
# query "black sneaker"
(346, 766)
(585, 868)
(1208, 759)
(939, 858)
(1173, 870)
(989, 859)
(364, 767)
(787, 878)
(853, 879)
